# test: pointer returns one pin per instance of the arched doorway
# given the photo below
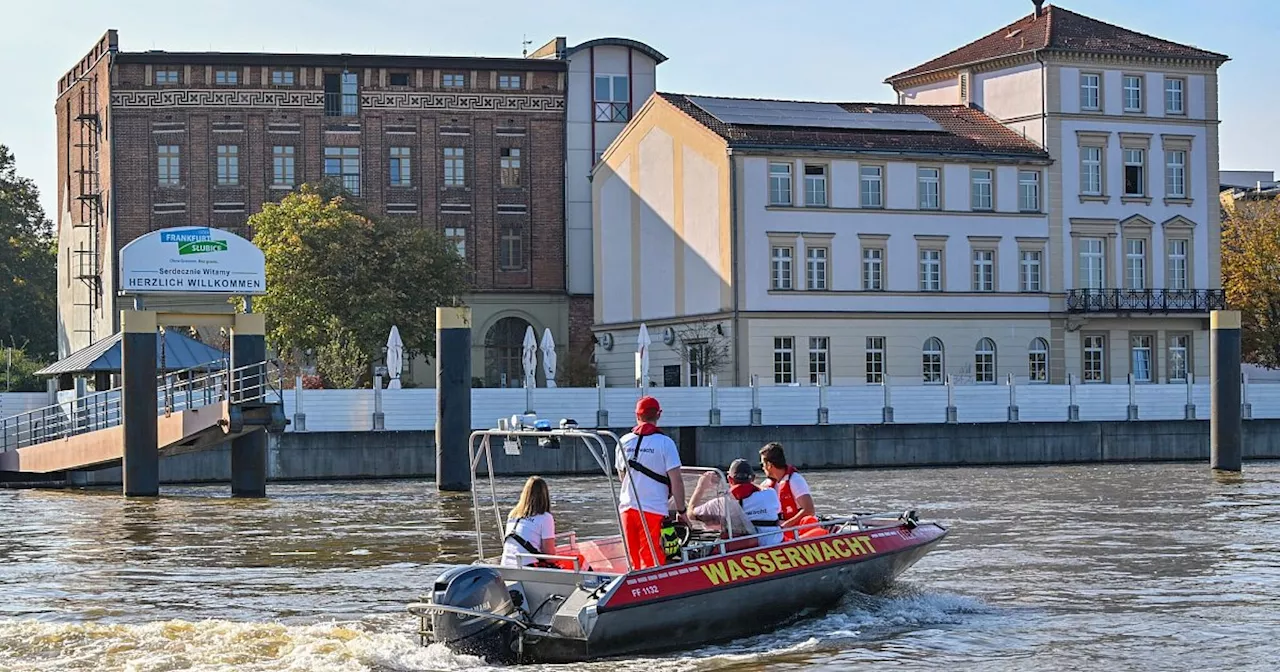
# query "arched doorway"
(502, 353)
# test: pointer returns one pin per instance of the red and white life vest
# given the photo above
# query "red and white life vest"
(788, 500)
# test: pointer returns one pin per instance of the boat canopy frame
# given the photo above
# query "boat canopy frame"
(479, 446)
(596, 442)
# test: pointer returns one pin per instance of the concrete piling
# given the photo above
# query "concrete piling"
(1226, 424)
(138, 404)
(248, 386)
(453, 399)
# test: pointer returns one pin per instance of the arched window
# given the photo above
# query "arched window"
(502, 353)
(984, 362)
(931, 362)
(1038, 361)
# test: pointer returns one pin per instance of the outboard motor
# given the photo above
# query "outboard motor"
(480, 589)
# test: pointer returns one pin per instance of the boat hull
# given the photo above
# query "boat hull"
(702, 602)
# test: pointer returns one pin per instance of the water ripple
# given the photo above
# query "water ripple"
(1136, 567)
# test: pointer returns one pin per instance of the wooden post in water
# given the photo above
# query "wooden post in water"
(453, 399)
(1226, 424)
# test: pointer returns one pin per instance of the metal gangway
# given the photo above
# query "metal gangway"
(204, 385)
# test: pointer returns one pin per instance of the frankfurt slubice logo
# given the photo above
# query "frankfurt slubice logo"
(194, 241)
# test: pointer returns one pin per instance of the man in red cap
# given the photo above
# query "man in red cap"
(649, 465)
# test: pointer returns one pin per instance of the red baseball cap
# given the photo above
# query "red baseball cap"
(647, 405)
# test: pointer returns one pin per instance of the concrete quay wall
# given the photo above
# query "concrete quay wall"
(305, 456)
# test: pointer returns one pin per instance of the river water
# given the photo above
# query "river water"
(1133, 567)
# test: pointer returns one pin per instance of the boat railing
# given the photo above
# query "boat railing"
(861, 521)
(575, 560)
(480, 448)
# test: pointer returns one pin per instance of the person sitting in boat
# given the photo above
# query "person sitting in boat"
(648, 465)
(758, 510)
(530, 526)
(793, 491)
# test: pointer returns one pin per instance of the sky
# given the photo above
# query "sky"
(803, 49)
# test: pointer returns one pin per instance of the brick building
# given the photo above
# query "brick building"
(474, 147)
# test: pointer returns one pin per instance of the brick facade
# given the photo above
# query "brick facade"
(85, 199)
(403, 103)
(581, 317)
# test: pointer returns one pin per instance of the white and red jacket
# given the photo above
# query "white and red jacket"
(786, 497)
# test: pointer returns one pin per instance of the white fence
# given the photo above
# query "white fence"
(353, 410)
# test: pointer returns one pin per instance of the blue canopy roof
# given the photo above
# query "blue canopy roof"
(178, 352)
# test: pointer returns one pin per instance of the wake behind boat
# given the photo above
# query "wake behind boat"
(598, 606)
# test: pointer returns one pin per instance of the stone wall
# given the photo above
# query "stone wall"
(411, 454)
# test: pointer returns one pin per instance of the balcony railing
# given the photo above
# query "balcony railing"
(341, 104)
(1145, 300)
(613, 112)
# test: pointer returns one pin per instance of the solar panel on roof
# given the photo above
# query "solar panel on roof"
(816, 115)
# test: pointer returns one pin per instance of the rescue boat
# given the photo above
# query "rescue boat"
(592, 604)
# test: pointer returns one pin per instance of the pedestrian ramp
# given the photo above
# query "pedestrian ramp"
(197, 409)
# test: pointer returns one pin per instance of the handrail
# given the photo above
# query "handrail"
(417, 607)
(175, 391)
(859, 520)
(591, 439)
(577, 566)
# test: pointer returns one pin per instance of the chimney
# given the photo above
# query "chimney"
(1039, 7)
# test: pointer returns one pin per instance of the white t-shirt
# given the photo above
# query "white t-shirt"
(534, 530)
(659, 454)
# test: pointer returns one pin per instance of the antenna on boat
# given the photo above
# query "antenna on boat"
(524, 45)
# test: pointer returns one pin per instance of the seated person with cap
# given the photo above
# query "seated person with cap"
(760, 506)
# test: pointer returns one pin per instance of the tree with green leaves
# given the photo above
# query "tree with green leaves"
(28, 266)
(338, 278)
(1251, 277)
(18, 371)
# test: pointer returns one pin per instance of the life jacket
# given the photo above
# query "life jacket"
(741, 492)
(788, 500)
(633, 463)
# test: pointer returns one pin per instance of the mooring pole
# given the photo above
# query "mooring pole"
(249, 386)
(138, 404)
(1226, 424)
(453, 399)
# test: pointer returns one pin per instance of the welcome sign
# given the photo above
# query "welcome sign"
(198, 260)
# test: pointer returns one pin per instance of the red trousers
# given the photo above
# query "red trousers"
(638, 532)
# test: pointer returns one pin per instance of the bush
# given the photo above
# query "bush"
(18, 371)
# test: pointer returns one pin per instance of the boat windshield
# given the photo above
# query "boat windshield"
(708, 499)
